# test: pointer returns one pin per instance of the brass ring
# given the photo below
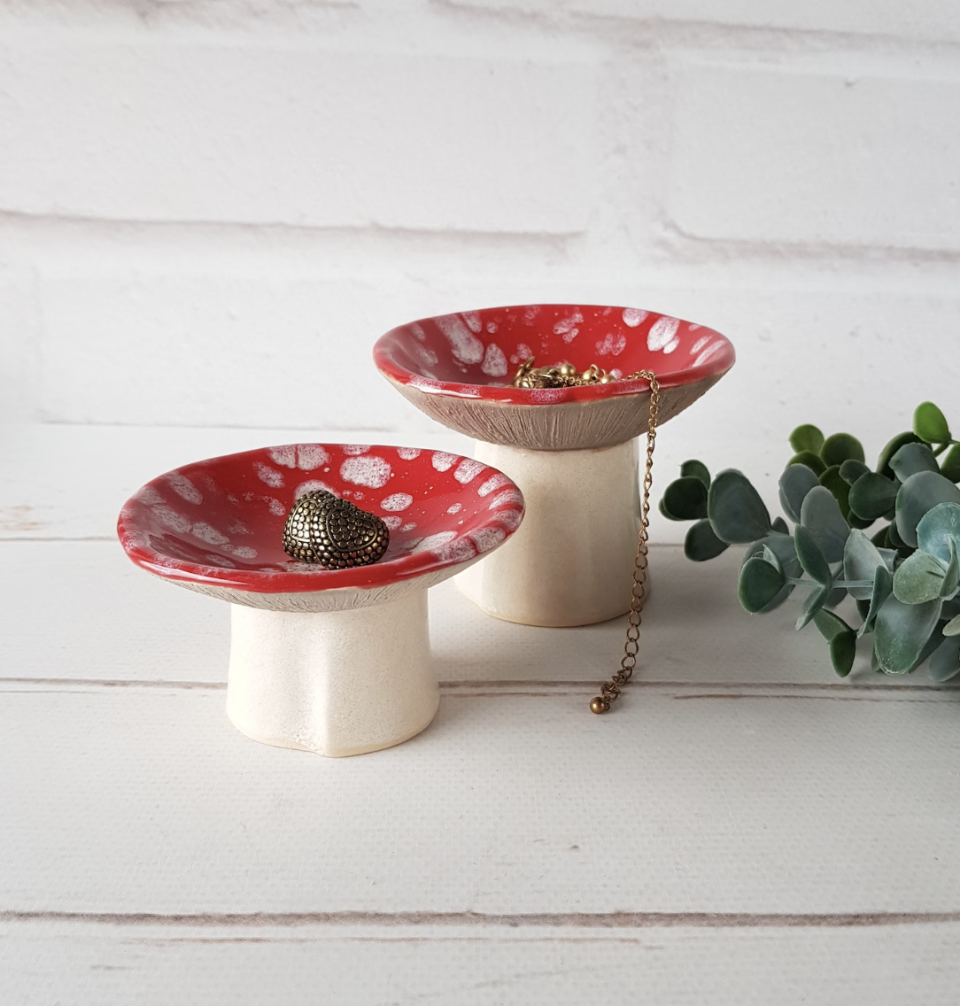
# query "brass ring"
(333, 533)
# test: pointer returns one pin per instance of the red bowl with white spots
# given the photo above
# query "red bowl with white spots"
(458, 368)
(216, 526)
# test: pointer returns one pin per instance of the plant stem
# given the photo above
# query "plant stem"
(846, 584)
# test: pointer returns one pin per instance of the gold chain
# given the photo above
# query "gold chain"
(566, 376)
(610, 690)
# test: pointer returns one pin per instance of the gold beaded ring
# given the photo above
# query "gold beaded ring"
(333, 533)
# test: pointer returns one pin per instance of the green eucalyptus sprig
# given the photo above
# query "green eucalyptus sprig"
(905, 578)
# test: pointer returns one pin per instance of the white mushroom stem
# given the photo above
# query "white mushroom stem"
(571, 561)
(333, 682)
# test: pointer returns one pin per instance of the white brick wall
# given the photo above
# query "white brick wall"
(195, 193)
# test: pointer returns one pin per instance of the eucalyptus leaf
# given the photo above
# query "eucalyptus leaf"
(902, 631)
(882, 589)
(835, 597)
(843, 652)
(832, 480)
(919, 579)
(811, 557)
(913, 458)
(950, 608)
(950, 466)
(919, 494)
(839, 448)
(951, 579)
(952, 628)
(816, 599)
(696, 469)
(820, 515)
(760, 583)
(872, 496)
(930, 424)
(701, 544)
(785, 549)
(851, 470)
(806, 438)
(830, 625)
(861, 560)
(737, 513)
(945, 662)
(811, 460)
(779, 524)
(883, 465)
(795, 482)
(938, 528)
(685, 499)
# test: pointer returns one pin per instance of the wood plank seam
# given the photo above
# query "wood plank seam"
(586, 920)
(826, 692)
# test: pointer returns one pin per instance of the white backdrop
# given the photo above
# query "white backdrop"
(210, 209)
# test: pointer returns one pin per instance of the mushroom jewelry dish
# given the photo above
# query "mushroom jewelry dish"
(330, 660)
(569, 439)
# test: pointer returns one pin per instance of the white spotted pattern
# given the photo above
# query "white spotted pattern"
(244, 552)
(567, 327)
(209, 534)
(355, 450)
(396, 502)
(408, 453)
(699, 344)
(708, 354)
(472, 318)
(632, 317)
(269, 476)
(149, 496)
(612, 345)
(184, 488)
(497, 481)
(393, 522)
(510, 519)
(370, 470)
(434, 541)
(494, 362)
(310, 456)
(468, 470)
(456, 551)
(173, 520)
(285, 456)
(467, 348)
(487, 538)
(507, 496)
(663, 335)
(442, 461)
(310, 486)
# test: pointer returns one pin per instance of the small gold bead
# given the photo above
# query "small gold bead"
(607, 379)
(599, 705)
(568, 370)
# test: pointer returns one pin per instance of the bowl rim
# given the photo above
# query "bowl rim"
(400, 568)
(716, 366)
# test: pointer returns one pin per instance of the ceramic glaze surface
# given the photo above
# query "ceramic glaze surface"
(475, 354)
(219, 523)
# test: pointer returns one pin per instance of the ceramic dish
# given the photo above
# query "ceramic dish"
(458, 369)
(573, 450)
(333, 661)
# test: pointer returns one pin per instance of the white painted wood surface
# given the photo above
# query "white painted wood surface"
(744, 829)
